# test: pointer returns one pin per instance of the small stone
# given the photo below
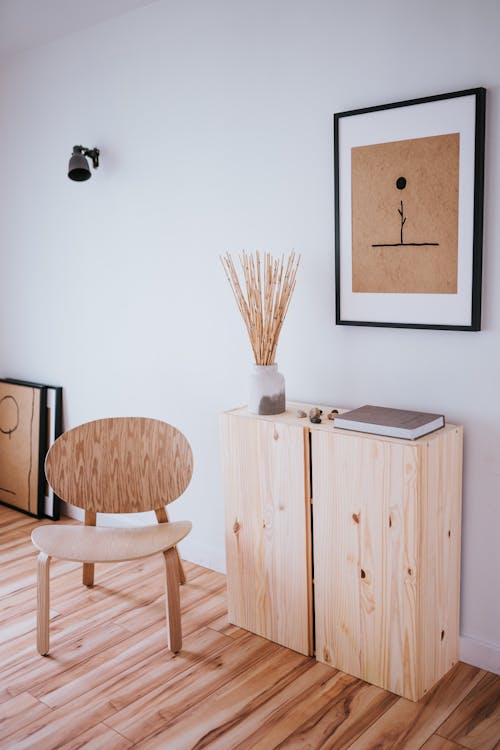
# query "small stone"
(315, 420)
(301, 413)
(315, 412)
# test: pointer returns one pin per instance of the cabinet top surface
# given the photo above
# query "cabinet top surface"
(290, 417)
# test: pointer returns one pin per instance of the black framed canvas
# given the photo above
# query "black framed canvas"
(30, 421)
(409, 189)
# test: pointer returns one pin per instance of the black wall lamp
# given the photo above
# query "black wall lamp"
(78, 168)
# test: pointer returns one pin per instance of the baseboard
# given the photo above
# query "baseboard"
(71, 511)
(479, 654)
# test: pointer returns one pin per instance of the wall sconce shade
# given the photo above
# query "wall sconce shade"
(78, 168)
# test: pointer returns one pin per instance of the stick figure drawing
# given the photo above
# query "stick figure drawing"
(404, 198)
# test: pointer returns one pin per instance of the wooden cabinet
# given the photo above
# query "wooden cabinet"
(268, 529)
(346, 544)
(387, 556)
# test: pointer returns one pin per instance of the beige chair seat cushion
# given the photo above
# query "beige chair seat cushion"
(92, 544)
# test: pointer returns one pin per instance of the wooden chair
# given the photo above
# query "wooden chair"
(121, 465)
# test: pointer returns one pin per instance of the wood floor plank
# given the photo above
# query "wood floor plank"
(22, 525)
(211, 607)
(61, 728)
(75, 638)
(21, 705)
(34, 670)
(22, 574)
(336, 724)
(66, 597)
(320, 708)
(136, 667)
(99, 737)
(475, 723)
(407, 725)
(73, 646)
(103, 700)
(189, 604)
(110, 682)
(223, 625)
(13, 548)
(205, 722)
(163, 705)
(439, 743)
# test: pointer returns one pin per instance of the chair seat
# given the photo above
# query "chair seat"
(92, 544)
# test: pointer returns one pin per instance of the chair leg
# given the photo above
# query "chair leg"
(174, 631)
(162, 517)
(182, 574)
(88, 568)
(43, 603)
(88, 574)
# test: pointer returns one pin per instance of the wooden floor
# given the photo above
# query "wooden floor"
(110, 682)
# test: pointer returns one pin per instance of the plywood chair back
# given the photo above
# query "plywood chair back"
(118, 465)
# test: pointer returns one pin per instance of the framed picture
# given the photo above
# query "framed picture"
(409, 213)
(30, 421)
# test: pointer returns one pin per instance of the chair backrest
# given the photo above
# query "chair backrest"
(120, 465)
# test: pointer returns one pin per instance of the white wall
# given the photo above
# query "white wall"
(214, 121)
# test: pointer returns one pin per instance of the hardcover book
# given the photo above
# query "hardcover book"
(380, 420)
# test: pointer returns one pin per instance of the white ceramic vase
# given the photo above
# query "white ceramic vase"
(267, 390)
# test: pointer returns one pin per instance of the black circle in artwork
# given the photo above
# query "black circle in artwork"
(401, 183)
(9, 415)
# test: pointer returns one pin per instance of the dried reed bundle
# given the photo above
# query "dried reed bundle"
(268, 284)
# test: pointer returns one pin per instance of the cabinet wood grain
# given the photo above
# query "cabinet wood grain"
(268, 529)
(387, 550)
(358, 533)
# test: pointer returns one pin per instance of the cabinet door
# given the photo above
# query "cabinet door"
(440, 523)
(365, 494)
(268, 529)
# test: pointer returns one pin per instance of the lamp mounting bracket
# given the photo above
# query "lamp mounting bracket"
(92, 153)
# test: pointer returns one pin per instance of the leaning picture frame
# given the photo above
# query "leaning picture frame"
(30, 421)
(409, 189)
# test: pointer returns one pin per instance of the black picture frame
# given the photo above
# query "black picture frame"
(35, 498)
(459, 115)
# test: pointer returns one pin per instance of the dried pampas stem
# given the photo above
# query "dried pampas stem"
(263, 301)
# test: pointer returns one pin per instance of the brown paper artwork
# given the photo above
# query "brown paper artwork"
(19, 446)
(405, 216)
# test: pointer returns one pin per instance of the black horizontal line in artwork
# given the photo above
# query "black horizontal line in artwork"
(9, 492)
(407, 244)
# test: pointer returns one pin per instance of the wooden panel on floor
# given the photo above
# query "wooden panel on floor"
(407, 725)
(188, 691)
(21, 705)
(143, 665)
(475, 723)
(99, 737)
(204, 721)
(321, 708)
(223, 625)
(439, 743)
